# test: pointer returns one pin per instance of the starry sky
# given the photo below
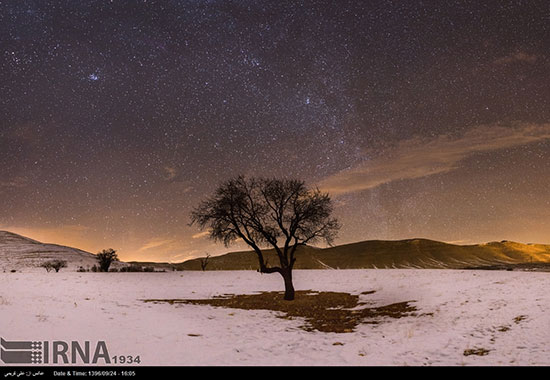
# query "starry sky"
(421, 118)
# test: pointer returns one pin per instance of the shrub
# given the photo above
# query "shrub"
(132, 268)
(139, 268)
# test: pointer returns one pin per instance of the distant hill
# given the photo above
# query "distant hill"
(411, 253)
(21, 253)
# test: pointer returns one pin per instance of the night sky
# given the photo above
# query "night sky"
(421, 118)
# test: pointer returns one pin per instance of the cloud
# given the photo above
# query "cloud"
(156, 243)
(14, 183)
(519, 56)
(200, 235)
(170, 173)
(417, 158)
(189, 255)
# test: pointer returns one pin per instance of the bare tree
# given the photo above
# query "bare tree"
(105, 258)
(279, 213)
(204, 261)
(47, 265)
(58, 264)
(54, 264)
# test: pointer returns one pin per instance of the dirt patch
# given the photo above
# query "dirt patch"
(322, 311)
(519, 319)
(476, 351)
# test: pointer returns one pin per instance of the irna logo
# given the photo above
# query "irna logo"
(55, 352)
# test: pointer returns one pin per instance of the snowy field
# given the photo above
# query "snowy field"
(506, 315)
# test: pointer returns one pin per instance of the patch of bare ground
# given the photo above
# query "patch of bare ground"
(322, 311)
(476, 351)
(519, 318)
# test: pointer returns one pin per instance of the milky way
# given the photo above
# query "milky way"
(423, 119)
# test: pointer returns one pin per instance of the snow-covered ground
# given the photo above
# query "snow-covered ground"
(506, 313)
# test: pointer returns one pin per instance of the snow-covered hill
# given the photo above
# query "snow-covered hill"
(23, 254)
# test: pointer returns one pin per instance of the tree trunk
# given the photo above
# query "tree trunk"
(289, 287)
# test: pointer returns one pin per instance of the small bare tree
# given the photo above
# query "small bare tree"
(54, 264)
(279, 213)
(204, 261)
(47, 265)
(58, 264)
(105, 258)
